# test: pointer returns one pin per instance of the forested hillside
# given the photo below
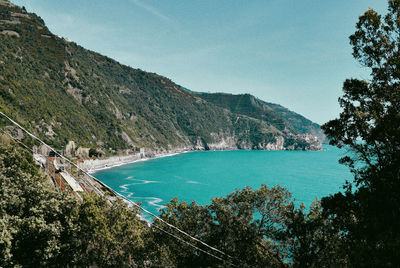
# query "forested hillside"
(273, 114)
(63, 92)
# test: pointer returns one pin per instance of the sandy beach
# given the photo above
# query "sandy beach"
(94, 165)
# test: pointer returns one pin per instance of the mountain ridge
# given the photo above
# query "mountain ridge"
(274, 114)
(63, 92)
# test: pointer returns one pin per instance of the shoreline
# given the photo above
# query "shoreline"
(92, 166)
(95, 165)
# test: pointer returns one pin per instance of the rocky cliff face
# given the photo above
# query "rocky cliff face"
(305, 142)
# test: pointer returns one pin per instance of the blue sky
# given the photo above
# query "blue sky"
(295, 53)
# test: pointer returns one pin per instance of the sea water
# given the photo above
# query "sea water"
(201, 175)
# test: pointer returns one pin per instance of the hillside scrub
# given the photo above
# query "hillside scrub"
(40, 226)
(63, 92)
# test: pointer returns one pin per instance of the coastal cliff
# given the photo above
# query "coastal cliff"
(63, 92)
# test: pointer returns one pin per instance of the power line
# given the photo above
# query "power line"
(165, 222)
(172, 226)
(184, 241)
(51, 148)
(116, 193)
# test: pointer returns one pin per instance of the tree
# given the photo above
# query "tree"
(315, 243)
(110, 235)
(369, 126)
(250, 226)
(42, 227)
(93, 153)
(36, 222)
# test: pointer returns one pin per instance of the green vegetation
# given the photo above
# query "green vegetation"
(273, 114)
(357, 228)
(228, 224)
(62, 92)
(42, 227)
(368, 212)
(257, 228)
(286, 121)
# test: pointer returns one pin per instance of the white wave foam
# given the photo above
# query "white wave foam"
(125, 188)
(193, 182)
(153, 201)
(142, 181)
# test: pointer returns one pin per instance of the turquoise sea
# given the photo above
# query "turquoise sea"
(202, 175)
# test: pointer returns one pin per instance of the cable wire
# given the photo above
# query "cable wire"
(116, 193)
(184, 241)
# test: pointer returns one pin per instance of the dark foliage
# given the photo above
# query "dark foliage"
(40, 227)
(250, 226)
(369, 126)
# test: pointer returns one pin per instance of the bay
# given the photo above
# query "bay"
(201, 175)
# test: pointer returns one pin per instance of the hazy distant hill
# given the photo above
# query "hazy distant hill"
(63, 92)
